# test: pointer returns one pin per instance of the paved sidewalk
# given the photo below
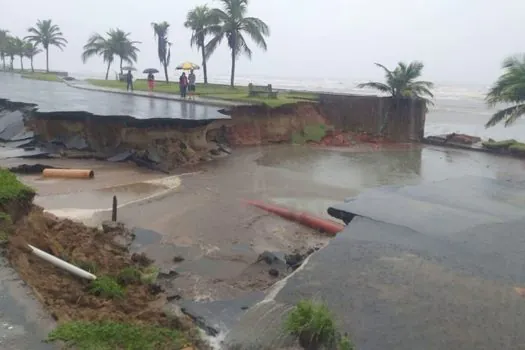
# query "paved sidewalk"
(81, 84)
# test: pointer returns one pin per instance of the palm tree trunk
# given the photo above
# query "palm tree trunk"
(165, 64)
(47, 59)
(21, 63)
(32, 69)
(204, 67)
(232, 80)
(3, 62)
(107, 70)
(121, 72)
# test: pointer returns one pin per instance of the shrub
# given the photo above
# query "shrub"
(106, 287)
(313, 324)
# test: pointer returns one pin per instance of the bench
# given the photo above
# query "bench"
(257, 90)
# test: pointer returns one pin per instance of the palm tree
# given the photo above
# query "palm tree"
(4, 35)
(232, 25)
(10, 50)
(97, 45)
(508, 89)
(401, 82)
(46, 33)
(200, 20)
(19, 47)
(160, 30)
(30, 51)
(123, 46)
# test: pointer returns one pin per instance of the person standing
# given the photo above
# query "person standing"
(191, 83)
(129, 80)
(183, 84)
(151, 82)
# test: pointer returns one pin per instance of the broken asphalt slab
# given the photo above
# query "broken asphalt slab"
(424, 269)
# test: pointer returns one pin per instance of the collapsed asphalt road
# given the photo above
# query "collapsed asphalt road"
(420, 267)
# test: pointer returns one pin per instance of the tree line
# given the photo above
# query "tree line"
(209, 28)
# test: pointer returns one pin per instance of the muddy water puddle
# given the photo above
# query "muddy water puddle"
(358, 170)
(100, 198)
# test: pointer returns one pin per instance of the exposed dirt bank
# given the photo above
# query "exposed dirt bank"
(102, 252)
(165, 144)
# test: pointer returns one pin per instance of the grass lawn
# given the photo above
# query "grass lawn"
(41, 76)
(213, 91)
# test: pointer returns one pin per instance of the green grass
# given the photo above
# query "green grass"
(499, 144)
(113, 335)
(517, 147)
(11, 189)
(42, 76)
(510, 145)
(107, 287)
(309, 133)
(313, 324)
(214, 91)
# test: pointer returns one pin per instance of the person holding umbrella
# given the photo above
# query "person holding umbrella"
(190, 79)
(151, 78)
(183, 84)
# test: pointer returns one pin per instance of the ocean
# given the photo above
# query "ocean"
(458, 108)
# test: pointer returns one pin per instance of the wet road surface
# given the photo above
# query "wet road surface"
(53, 97)
(432, 266)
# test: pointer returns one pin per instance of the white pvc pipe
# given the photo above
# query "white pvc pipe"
(62, 264)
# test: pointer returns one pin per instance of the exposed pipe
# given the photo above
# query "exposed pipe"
(328, 226)
(62, 264)
(69, 173)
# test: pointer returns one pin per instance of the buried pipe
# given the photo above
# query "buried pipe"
(62, 264)
(328, 226)
(69, 173)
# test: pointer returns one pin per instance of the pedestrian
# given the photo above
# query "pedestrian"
(183, 84)
(151, 81)
(129, 80)
(191, 83)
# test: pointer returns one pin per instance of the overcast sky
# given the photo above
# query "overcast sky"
(460, 41)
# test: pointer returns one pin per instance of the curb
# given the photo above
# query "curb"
(222, 104)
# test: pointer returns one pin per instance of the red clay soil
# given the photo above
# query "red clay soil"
(66, 296)
(349, 138)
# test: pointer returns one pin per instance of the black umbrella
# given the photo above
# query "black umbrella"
(150, 70)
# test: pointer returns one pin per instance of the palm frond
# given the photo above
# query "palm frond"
(509, 115)
(375, 85)
(257, 30)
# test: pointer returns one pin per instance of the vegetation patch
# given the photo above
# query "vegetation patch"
(517, 148)
(313, 324)
(11, 189)
(42, 76)
(505, 144)
(309, 133)
(114, 335)
(129, 275)
(214, 91)
(107, 287)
